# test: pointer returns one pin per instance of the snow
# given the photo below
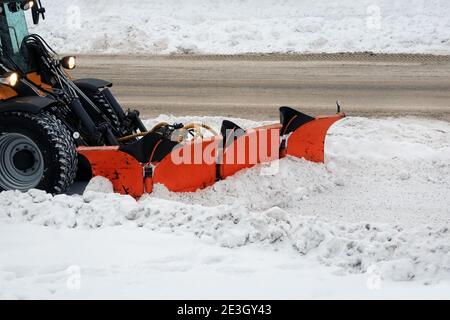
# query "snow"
(99, 185)
(133, 263)
(247, 26)
(374, 220)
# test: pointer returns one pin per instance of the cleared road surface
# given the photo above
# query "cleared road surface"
(253, 86)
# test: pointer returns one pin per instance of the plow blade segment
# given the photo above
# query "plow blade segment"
(190, 167)
(259, 145)
(308, 140)
(123, 170)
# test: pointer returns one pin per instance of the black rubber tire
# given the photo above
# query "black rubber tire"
(55, 143)
(102, 103)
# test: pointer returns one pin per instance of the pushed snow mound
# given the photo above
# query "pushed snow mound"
(381, 200)
(247, 26)
(355, 247)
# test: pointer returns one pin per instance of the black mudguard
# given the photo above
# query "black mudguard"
(92, 85)
(32, 104)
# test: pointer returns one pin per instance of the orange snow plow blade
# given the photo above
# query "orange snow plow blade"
(305, 135)
(192, 165)
(254, 146)
(124, 171)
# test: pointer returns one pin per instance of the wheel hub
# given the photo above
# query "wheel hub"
(21, 162)
(24, 160)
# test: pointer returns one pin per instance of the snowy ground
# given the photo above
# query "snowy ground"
(374, 222)
(243, 26)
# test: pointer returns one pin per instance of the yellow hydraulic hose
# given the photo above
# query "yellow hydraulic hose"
(191, 126)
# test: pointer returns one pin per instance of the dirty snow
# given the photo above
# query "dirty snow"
(247, 26)
(378, 209)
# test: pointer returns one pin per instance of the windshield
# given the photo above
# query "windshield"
(13, 27)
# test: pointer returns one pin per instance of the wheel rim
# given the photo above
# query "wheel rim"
(21, 162)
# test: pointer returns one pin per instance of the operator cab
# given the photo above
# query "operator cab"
(13, 29)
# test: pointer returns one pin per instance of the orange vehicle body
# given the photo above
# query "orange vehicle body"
(6, 92)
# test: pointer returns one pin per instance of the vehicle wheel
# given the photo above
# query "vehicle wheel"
(36, 151)
(102, 103)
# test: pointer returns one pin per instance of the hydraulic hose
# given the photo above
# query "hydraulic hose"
(191, 126)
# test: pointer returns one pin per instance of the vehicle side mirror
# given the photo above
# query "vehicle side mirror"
(37, 10)
(36, 14)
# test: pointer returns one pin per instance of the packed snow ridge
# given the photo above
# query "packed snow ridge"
(381, 199)
(247, 26)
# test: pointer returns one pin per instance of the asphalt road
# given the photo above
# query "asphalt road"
(254, 86)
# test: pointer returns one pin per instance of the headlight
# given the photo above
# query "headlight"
(69, 62)
(9, 78)
(13, 79)
(26, 5)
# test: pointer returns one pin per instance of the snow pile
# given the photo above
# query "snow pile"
(243, 26)
(381, 200)
(99, 185)
(421, 252)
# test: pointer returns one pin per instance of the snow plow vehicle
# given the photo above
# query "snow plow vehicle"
(54, 128)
